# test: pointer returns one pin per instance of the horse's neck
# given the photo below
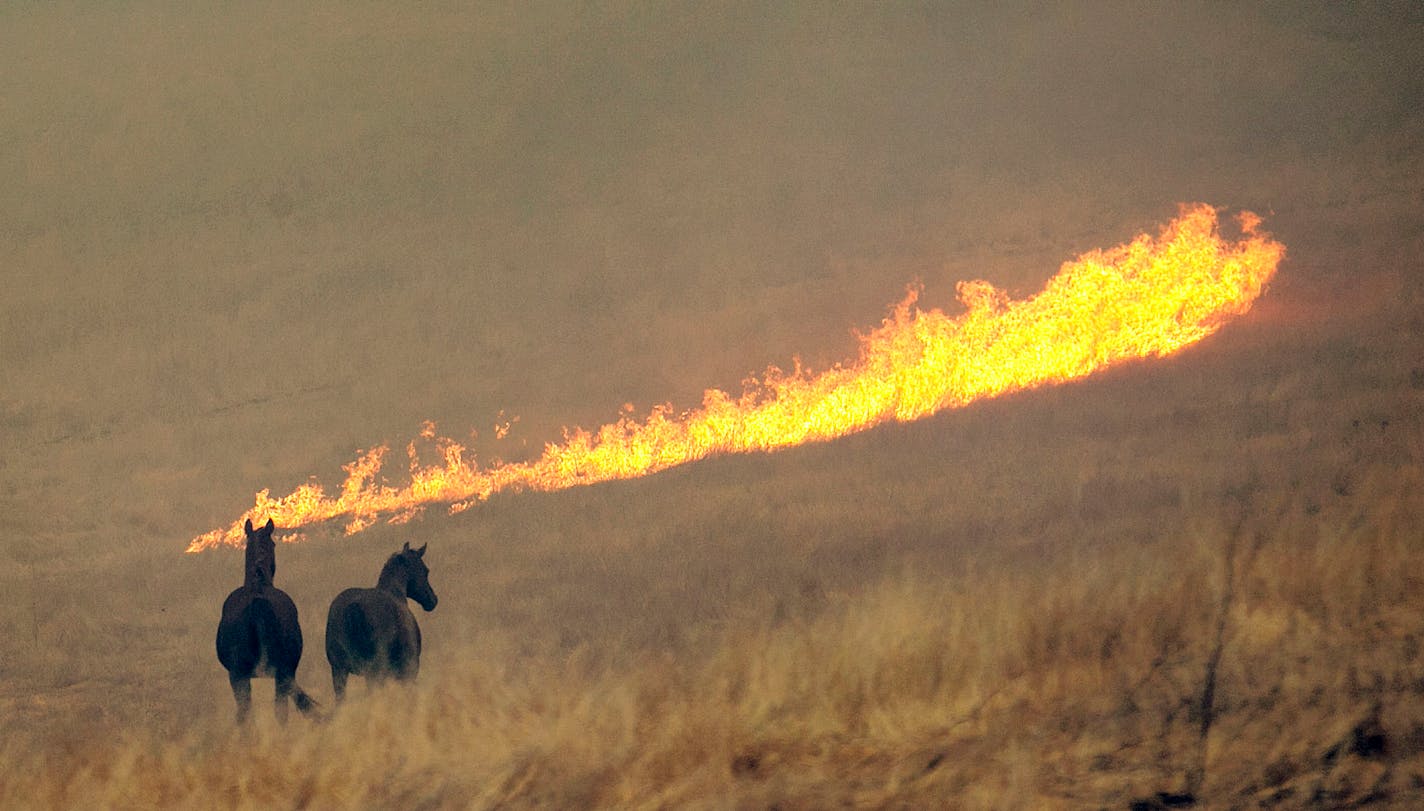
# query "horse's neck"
(393, 579)
(255, 574)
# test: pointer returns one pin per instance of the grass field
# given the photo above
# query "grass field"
(991, 607)
(239, 245)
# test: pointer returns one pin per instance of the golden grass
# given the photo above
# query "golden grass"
(1014, 606)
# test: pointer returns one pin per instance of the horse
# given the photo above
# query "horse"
(372, 632)
(259, 635)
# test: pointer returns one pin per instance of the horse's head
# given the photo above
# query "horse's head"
(261, 554)
(418, 577)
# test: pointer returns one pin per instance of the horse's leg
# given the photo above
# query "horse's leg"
(409, 669)
(338, 682)
(405, 660)
(284, 691)
(242, 693)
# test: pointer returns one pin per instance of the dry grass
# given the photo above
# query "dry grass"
(1071, 685)
(1011, 606)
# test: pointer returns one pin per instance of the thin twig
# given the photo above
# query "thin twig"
(1206, 707)
(34, 607)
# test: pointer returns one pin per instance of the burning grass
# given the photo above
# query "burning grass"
(1148, 298)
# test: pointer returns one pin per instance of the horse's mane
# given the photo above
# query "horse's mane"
(396, 567)
(259, 565)
(398, 559)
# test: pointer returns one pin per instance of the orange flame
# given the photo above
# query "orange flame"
(1150, 297)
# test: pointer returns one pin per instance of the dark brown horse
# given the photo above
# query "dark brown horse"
(372, 632)
(258, 635)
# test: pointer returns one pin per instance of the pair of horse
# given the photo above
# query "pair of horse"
(369, 632)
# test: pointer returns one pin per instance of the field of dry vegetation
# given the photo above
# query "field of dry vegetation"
(237, 246)
(1022, 604)
(1001, 607)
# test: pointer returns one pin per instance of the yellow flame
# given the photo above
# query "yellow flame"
(1149, 297)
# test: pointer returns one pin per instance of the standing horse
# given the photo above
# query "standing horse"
(258, 634)
(372, 632)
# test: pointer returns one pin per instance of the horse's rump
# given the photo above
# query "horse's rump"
(360, 637)
(253, 638)
(369, 632)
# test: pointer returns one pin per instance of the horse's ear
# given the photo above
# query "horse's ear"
(248, 526)
(421, 551)
(270, 525)
(406, 548)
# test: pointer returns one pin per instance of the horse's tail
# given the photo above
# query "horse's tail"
(360, 636)
(269, 640)
(264, 633)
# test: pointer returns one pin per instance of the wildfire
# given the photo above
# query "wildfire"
(1149, 297)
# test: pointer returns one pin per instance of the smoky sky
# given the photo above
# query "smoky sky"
(239, 240)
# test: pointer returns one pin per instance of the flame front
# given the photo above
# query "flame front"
(1149, 297)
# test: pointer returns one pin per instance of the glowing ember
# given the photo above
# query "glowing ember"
(1150, 297)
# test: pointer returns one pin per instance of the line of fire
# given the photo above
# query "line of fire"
(1149, 297)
